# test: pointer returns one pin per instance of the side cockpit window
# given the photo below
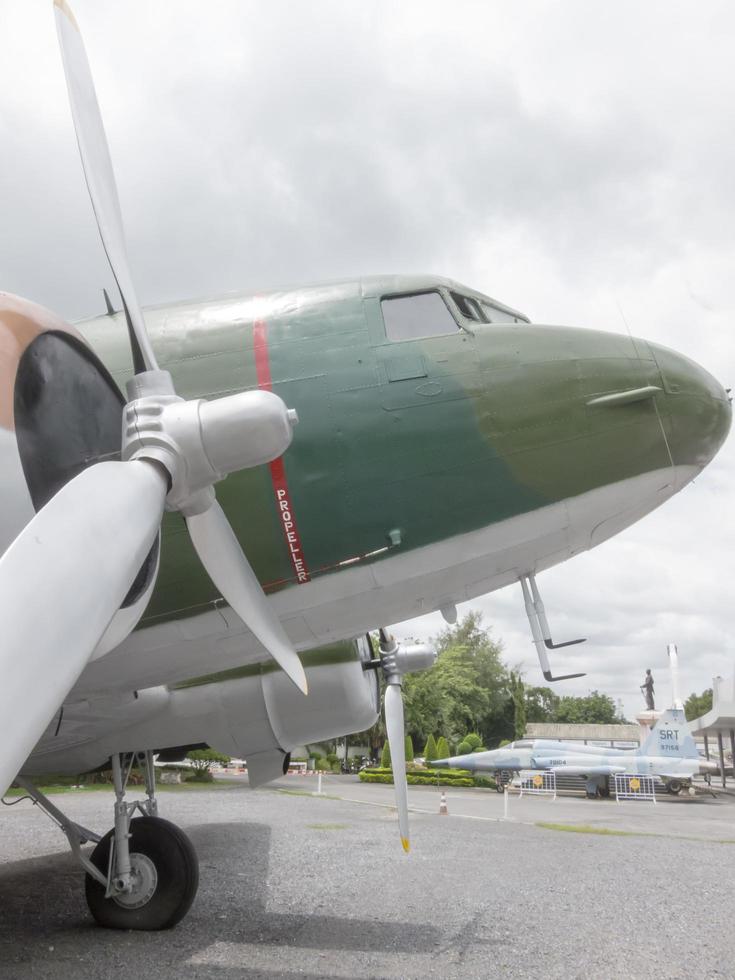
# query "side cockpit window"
(495, 315)
(469, 307)
(417, 315)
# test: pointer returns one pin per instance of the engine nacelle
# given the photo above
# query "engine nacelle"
(267, 716)
(253, 712)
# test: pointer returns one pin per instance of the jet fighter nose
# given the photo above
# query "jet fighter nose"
(698, 408)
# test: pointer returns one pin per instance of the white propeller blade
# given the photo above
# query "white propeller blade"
(98, 167)
(61, 582)
(211, 533)
(221, 554)
(396, 740)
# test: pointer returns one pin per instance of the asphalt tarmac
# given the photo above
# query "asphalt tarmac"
(297, 885)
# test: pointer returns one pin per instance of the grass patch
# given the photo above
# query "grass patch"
(327, 826)
(55, 790)
(583, 828)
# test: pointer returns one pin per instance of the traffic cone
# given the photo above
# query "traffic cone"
(443, 808)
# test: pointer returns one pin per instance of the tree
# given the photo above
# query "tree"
(430, 750)
(698, 704)
(595, 709)
(408, 742)
(517, 693)
(467, 690)
(442, 748)
(385, 756)
(464, 748)
(541, 704)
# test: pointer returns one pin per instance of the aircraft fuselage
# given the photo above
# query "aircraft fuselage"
(423, 471)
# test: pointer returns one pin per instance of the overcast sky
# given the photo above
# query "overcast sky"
(571, 159)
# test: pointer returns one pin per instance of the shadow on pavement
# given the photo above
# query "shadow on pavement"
(46, 930)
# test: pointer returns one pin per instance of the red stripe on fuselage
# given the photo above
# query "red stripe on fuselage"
(286, 516)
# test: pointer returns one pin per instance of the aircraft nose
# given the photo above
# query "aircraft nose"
(698, 408)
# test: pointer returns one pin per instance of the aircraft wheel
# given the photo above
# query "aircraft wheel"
(166, 877)
(674, 786)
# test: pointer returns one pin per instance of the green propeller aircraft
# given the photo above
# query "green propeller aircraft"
(445, 447)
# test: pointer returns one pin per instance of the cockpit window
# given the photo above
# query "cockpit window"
(469, 307)
(494, 315)
(525, 743)
(418, 315)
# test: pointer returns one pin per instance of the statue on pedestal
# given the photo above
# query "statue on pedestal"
(647, 688)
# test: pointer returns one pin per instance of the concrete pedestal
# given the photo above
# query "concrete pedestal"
(646, 720)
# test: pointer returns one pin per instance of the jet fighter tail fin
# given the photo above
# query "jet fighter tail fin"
(671, 738)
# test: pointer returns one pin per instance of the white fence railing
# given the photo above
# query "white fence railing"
(537, 783)
(634, 786)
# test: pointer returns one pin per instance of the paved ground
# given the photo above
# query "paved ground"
(294, 885)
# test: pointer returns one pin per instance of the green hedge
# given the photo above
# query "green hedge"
(422, 771)
(426, 777)
(414, 780)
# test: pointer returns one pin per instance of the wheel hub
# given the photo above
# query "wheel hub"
(143, 882)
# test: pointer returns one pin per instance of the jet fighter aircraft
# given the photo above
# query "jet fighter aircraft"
(669, 751)
(445, 447)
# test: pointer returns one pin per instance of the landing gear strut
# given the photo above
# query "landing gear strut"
(144, 873)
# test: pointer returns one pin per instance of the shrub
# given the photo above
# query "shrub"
(385, 756)
(202, 759)
(418, 778)
(199, 776)
(430, 750)
(409, 748)
(470, 743)
(486, 782)
(442, 749)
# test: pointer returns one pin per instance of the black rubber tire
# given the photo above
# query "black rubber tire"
(177, 867)
(674, 786)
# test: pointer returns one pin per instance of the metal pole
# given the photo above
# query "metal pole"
(505, 802)
(722, 758)
(732, 749)
(676, 701)
(319, 784)
(706, 747)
